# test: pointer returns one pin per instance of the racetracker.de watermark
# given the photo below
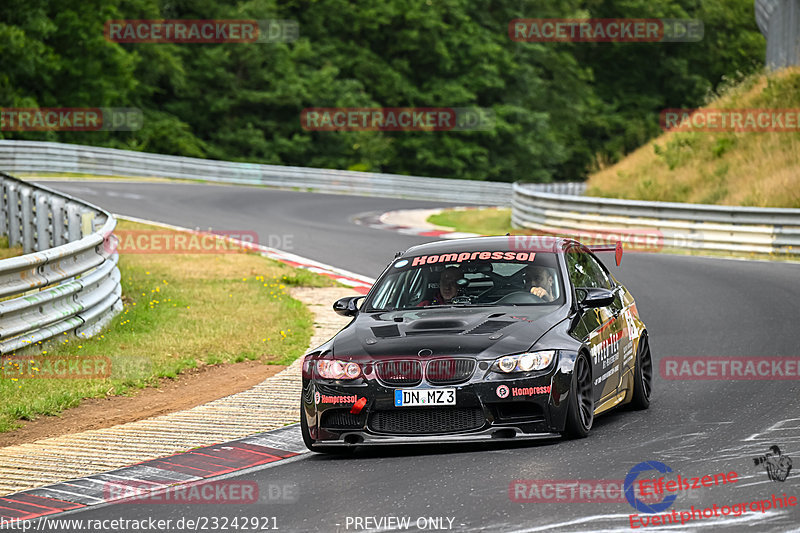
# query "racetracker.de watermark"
(71, 119)
(632, 239)
(606, 30)
(731, 120)
(640, 240)
(397, 119)
(213, 492)
(730, 368)
(201, 31)
(211, 242)
(571, 491)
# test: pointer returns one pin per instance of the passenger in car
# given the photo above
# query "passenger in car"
(539, 281)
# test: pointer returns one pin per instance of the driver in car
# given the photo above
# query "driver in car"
(540, 283)
(448, 287)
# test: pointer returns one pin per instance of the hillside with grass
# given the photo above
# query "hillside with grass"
(759, 169)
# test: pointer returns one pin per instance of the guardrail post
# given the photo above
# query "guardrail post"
(3, 206)
(14, 230)
(44, 225)
(27, 219)
(87, 222)
(73, 221)
(59, 224)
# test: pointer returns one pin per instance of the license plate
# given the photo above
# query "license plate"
(418, 397)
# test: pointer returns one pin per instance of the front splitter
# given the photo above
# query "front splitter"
(489, 435)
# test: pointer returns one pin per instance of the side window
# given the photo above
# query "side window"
(598, 273)
(398, 289)
(585, 270)
(381, 299)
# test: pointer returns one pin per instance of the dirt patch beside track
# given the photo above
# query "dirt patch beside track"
(191, 388)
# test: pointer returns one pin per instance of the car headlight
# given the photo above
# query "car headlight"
(507, 364)
(334, 369)
(524, 362)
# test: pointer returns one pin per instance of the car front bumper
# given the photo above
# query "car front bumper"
(489, 407)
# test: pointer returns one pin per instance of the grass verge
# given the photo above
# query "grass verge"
(6, 252)
(180, 311)
(486, 221)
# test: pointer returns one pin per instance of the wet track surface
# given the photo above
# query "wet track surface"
(692, 307)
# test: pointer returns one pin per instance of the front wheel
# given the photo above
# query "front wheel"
(580, 407)
(307, 440)
(642, 376)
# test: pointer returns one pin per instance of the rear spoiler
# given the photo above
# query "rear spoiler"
(617, 249)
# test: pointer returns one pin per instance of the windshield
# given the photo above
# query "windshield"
(481, 278)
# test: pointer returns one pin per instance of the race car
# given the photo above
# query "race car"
(477, 339)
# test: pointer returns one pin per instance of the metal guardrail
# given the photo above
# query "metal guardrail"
(68, 279)
(656, 225)
(32, 156)
(552, 208)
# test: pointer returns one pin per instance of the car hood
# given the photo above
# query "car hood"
(483, 332)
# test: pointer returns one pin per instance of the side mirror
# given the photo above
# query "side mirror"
(347, 306)
(593, 297)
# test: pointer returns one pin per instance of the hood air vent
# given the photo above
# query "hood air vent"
(383, 332)
(490, 326)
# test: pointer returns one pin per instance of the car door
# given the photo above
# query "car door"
(601, 324)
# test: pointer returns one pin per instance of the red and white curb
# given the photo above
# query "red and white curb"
(147, 479)
(359, 283)
(412, 222)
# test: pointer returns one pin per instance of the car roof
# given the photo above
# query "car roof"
(516, 243)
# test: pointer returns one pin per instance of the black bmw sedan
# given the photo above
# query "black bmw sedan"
(478, 339)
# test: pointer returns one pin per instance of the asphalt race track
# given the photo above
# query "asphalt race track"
(692, 306)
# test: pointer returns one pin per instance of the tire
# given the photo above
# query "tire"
(642, 376)
(580, 407)
(307, 440)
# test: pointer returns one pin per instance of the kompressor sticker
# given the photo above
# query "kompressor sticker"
(530, 391)
(338, 399)
(472, 256)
